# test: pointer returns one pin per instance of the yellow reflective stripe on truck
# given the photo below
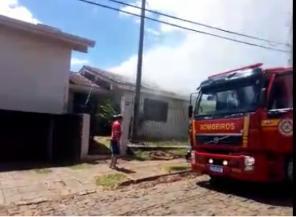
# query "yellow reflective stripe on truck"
(246, 130)
(270, 123)
(193, 132)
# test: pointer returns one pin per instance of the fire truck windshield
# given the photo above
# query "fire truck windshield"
(228, 100)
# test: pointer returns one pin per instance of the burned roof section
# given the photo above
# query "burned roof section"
(111, 81)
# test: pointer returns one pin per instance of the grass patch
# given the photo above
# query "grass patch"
(180, 152)
(177, 168)
(80, 166)
(141, 155)
(43, 171)
(110, 181)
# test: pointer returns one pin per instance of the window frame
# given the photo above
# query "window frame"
(274, 79)
(157, 118)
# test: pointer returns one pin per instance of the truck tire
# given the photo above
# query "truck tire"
(290, 170)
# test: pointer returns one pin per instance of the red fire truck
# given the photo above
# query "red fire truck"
(241, 125)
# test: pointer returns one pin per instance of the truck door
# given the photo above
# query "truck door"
(277, 126)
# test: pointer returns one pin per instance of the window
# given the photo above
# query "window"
(155, 110)
(282, 92)
(207, 104)
(227, 101)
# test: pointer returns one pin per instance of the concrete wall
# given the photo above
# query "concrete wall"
(34, 73)
(176, 126)
(85, 129)
(126, 111)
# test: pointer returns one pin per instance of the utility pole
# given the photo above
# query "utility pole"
(139, 73)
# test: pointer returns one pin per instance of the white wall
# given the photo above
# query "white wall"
(34, 73)
(176, 125)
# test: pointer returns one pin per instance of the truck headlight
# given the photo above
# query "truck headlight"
(225, 162)
(249, 163)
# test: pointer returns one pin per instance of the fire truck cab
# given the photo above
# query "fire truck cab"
(241, 125)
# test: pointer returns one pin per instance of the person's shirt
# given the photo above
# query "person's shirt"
(116, 130)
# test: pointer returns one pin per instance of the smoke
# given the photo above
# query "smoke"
(182, 65)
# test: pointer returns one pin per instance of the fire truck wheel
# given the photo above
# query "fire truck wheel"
(290, 170)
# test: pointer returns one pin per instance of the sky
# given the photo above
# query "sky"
(174, 59)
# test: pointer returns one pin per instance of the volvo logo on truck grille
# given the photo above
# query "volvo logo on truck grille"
(216, 140)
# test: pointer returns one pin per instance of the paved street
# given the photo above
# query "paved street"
(48, 183)
(173, 195)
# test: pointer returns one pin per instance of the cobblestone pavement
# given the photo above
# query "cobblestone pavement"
(168, 196)
(39, 185)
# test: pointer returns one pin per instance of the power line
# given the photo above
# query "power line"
(202, 24)
(183, 27)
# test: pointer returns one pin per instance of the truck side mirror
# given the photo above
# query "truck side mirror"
(190, 111)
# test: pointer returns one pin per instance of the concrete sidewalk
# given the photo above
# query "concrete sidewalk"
(38, 185)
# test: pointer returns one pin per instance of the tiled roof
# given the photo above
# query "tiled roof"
(76, 78)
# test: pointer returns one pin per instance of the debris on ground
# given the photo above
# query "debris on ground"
(161, 155)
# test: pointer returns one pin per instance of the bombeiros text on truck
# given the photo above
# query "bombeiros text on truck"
(241, 125)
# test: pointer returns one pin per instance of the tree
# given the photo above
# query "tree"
(104, 115)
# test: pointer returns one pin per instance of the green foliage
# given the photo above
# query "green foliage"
(105, 111)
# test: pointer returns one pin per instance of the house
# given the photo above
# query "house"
(163, 114)
(35, 65)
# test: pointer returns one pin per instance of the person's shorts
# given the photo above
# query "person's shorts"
(115, 147)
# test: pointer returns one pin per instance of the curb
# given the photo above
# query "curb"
(151, 178)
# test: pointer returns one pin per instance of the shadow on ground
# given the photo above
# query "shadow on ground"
(272, 194)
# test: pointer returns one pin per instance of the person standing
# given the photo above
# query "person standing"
(115, 140)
